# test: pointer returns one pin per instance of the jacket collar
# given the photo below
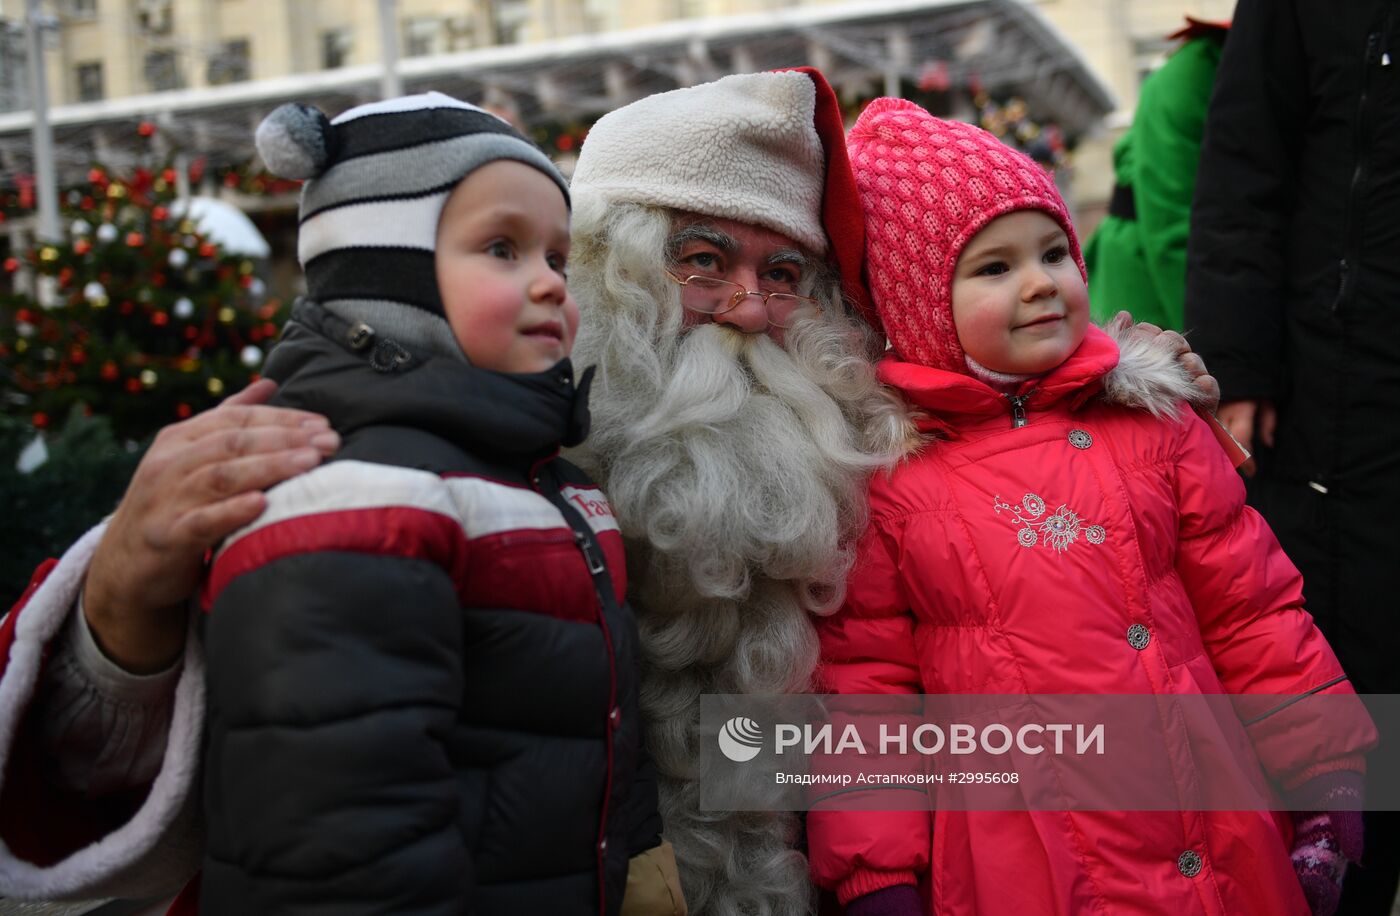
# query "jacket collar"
(324, 364)
(1113, 363)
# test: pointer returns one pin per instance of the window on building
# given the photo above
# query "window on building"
(461, 32)
(336, 45)
(422, 37)
(14, 76)
(162, 70)
(508, 19)
(89, 80)
(595, 15)
(81, 9)
(232, 64)
(155, 17)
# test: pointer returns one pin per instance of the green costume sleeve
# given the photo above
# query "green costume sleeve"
(1167, 128)
(1114, 257)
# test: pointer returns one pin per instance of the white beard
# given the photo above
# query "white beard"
(737, 470)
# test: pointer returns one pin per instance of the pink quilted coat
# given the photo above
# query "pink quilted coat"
(947, 596)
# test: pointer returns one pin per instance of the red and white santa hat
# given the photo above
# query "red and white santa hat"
(761, 148)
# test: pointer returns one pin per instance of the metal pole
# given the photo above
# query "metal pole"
(45, 182)
(390, 85)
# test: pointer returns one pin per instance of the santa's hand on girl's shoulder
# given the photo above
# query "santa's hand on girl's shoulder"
(1177, 345)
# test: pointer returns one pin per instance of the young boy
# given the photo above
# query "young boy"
(1070, 529)
(421, 675)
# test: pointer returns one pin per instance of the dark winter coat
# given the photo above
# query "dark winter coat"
(422, 677)
(1293, 293)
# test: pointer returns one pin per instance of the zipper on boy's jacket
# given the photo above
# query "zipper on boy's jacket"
(1018, 409)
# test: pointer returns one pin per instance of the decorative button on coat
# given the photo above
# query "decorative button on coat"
(1080, 439)
(1139, 636)
(1189, 863)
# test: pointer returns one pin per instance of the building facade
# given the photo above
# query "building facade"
(215, 66)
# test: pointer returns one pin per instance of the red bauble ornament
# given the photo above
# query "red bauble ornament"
(87, 204)
(231, 180)
(146, 129)
(40, 420)
(159, 214)
(77, 356)
(183, 411)
(269, 330)
(65, 276)
(82, 246)
(97, 177)
(11, 265)
(168, 176)
(133, 385)
(25, 315)
(135, 239)
(160, 319)
(206, 250)
(245, 281)
(109, 371)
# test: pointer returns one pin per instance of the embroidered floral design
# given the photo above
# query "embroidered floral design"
(1060, 529)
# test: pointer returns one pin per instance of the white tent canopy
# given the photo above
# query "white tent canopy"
(224, 224)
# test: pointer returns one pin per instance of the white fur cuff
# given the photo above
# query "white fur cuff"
(138, 858)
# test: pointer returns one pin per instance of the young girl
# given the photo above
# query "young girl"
(1068, 529)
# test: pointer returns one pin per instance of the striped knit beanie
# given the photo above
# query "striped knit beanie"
(927, 187)
(379, 177)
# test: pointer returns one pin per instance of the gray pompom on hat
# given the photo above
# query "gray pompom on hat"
(294, 141)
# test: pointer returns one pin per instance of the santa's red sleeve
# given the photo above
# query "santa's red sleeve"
(56, 842)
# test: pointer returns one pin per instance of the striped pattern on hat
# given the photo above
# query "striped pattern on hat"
(380, 176)
(927, 186)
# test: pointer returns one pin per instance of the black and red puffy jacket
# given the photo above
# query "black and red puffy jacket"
(422, 674)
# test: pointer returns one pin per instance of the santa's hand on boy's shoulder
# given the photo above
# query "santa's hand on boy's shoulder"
(1178, 346)
(200, 480)
(900, 900)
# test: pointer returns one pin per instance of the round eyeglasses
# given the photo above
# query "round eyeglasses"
(720, 296)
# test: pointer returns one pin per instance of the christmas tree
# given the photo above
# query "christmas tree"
(150, 321)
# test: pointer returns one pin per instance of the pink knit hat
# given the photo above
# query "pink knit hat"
(927, 186)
